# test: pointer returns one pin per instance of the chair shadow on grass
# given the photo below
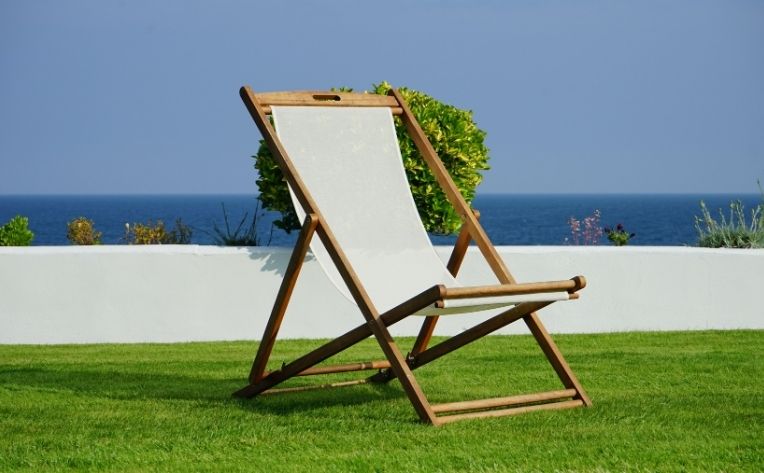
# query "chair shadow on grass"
(209, 391)
(276, 262)
(305, 401)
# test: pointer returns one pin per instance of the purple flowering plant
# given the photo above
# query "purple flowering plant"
(618, 235)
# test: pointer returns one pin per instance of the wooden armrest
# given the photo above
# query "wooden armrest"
(569, 285)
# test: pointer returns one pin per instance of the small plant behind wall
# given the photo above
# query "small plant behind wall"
(585, 232)
(157, 234)
(16, 232)
(618, 235)
(452, 132)
(241, 236)
(81, 231)
(735, 232)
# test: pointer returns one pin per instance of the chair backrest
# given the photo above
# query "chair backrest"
(351, 164)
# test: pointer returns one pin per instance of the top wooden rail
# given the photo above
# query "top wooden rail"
(323, 98)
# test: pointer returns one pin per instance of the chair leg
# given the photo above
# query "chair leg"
(282, 298)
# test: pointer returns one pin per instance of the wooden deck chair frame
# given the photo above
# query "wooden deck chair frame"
(396, 365)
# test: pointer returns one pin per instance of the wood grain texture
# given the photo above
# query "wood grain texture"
(569, 285)
(511, 411)
(495, 402)
(324, 98)
(282, 298)
(346, 367)
(394, 110)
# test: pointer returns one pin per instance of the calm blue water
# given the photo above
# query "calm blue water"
(508, 219)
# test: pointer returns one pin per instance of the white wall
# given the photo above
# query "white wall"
(194, 293)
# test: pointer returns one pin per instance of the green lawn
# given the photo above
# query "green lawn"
(686, 401)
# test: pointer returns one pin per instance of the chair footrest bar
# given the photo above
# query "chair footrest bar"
(297, 389)
(503, 401)
(343, 368)
(511, 411)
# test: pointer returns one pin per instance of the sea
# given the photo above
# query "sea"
(509, 219)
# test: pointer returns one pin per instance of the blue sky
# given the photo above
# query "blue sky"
(580, 97)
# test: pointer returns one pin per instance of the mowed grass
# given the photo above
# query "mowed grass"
(688, 401)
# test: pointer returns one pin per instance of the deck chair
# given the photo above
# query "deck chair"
(340, 156)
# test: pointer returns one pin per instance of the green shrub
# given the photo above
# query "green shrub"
(81, 231)
(157, 234)
(453, 134)
(16, 232)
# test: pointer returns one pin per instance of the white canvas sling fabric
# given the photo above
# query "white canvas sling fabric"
(349, 160)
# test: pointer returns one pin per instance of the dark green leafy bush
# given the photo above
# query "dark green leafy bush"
(453, 134)
(16, 232)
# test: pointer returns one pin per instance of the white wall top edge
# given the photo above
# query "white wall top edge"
(218, 250)
(140, 249)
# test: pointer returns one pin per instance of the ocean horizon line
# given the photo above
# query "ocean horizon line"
(657, 219)
(479, 194)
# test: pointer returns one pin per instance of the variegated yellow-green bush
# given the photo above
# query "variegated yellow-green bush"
(156, 234)
(81, 231)
(452, 132)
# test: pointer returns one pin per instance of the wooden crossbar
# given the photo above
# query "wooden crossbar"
(344, 368)
(326, 99)
(394, 110)
(313, 387)
(495, 402)
(511, 411)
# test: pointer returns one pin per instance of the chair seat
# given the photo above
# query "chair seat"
(477, 304)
